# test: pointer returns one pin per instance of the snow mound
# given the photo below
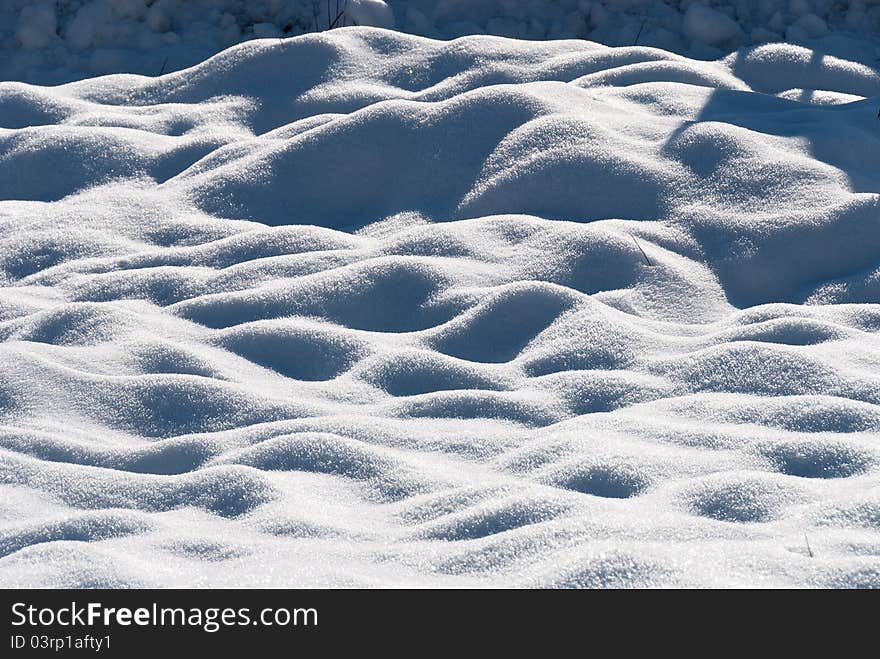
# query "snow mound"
(363, 308)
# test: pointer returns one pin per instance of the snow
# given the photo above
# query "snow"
(708, 26)
(362, 308)
(57, 41)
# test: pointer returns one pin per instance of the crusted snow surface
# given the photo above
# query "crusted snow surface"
(366, 309)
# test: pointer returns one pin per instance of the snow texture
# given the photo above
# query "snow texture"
(361, 308)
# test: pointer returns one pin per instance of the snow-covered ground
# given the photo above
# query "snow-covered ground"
(53, 41)
(364, 308)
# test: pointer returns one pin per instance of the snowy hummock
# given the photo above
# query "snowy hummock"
(360, 308)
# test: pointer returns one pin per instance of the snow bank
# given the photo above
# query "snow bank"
(52, 41)
(363, 308)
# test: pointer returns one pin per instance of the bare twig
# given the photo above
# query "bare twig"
(636, 241)
(339, 13)
(809, 549)
(641, 27)
(336, 20)
(164, 63)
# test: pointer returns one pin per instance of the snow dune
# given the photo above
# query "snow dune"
(362, 308)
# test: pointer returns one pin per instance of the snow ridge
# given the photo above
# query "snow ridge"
(362, 308)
